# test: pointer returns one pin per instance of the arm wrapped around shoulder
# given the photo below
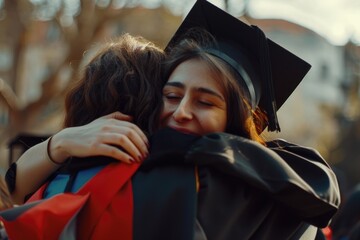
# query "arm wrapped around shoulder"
(296, 177)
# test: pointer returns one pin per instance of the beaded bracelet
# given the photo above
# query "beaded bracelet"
(48, 152)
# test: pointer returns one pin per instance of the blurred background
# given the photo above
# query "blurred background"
(43, 43)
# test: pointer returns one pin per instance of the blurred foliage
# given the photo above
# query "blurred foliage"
(344, 155)
(43, 44)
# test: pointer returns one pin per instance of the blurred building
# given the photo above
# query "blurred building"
(324, 111)
(308, 115)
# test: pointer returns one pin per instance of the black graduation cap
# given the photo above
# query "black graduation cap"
(269, 72)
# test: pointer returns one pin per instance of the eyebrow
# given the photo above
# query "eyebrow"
(199, 89)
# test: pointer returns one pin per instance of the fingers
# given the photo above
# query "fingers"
(118, 116)
(107, 136)
(122, 120)
(127, 147)
(128, 140)
(127, 128)
(111, 151)
(134, 132)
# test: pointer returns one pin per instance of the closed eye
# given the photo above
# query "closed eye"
(205, 103)
(172, 96)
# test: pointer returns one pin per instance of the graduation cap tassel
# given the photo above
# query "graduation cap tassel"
(266, 74)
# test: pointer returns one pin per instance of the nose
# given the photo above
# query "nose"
(183, 111)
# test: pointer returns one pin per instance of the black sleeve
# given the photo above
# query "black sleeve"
(296, 177)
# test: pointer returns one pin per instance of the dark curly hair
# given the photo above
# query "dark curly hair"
(124, 76)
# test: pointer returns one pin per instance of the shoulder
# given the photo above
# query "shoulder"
(288, 149)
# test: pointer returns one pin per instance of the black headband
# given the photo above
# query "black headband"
(244, 76)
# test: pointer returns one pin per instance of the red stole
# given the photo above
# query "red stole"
(106, 201)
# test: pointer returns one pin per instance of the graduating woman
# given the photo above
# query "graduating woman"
(229, 79)
(222, 186)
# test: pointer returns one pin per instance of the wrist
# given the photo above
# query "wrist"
(56, 149)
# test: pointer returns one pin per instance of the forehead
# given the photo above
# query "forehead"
(196, 72)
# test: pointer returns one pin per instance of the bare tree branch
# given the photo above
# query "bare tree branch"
(8, 97)
(16, 36)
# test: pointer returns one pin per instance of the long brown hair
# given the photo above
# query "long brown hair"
(124, 76)
(241, 119)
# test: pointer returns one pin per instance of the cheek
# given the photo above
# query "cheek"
(215, 123)
(166, 112)
(222, 122)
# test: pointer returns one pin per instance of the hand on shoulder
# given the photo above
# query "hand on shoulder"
(112, 135)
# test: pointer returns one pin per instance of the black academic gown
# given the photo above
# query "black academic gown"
(247, 191)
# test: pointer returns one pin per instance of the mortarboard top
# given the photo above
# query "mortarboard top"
(269, 72)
